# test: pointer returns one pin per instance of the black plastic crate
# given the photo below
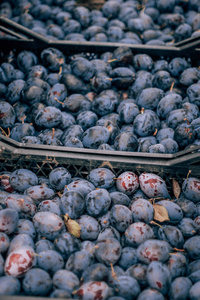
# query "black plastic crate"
(42, 162)
(42, 165)
(180, 162)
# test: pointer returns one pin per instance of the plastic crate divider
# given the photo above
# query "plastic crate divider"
(189, 44)
(12, 33)
(19, 28)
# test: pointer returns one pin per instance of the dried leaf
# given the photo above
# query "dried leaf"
(160, 213)
(176, 188)
(72, 226)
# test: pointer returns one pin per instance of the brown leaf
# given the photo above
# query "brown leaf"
(176, 188)
(160, 213)
(72, 226)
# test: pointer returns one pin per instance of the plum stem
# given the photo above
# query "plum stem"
(172, 86)
(185, 119)
(155, 132)
(154, 223)
(93, 248)
(59, 101)
(23, 118)
(60, 70)
(142, 110)
(113, 272)
(4, 133)
(163, 25)
(67, 187)
(111, 60)
(179, 250)
(188, 174)
(53, 132)
(36, 254)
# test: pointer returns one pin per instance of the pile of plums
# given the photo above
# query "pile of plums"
(112, 101)
(152, 22)
(99, 237)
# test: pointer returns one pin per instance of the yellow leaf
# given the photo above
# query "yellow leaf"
(160, 213)
(72, 226)
(176, 188)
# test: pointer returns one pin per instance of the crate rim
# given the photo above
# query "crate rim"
(49, 153)
(19, 145)
(98, 47)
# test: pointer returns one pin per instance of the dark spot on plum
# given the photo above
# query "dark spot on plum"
(140, 229)
(80, 293)
(117, 251)
(151, 181)
(45, 202)
(14, 258)
(123, 184)
(197, 185)
(159, 284)
(2, 115)
(98, 295)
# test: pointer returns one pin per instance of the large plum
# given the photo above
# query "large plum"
(8, 220)
(48, 224)
(153, 185)
(174, 211)
(144, 124)
(7, 114)
(184, 134)
(168, 103)
(192, 247)
(153, 250)
(191, 189)
(149, 98)
(101, 178)
(19, 261)
(159, 277)
(94, 136)
(127, 183)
